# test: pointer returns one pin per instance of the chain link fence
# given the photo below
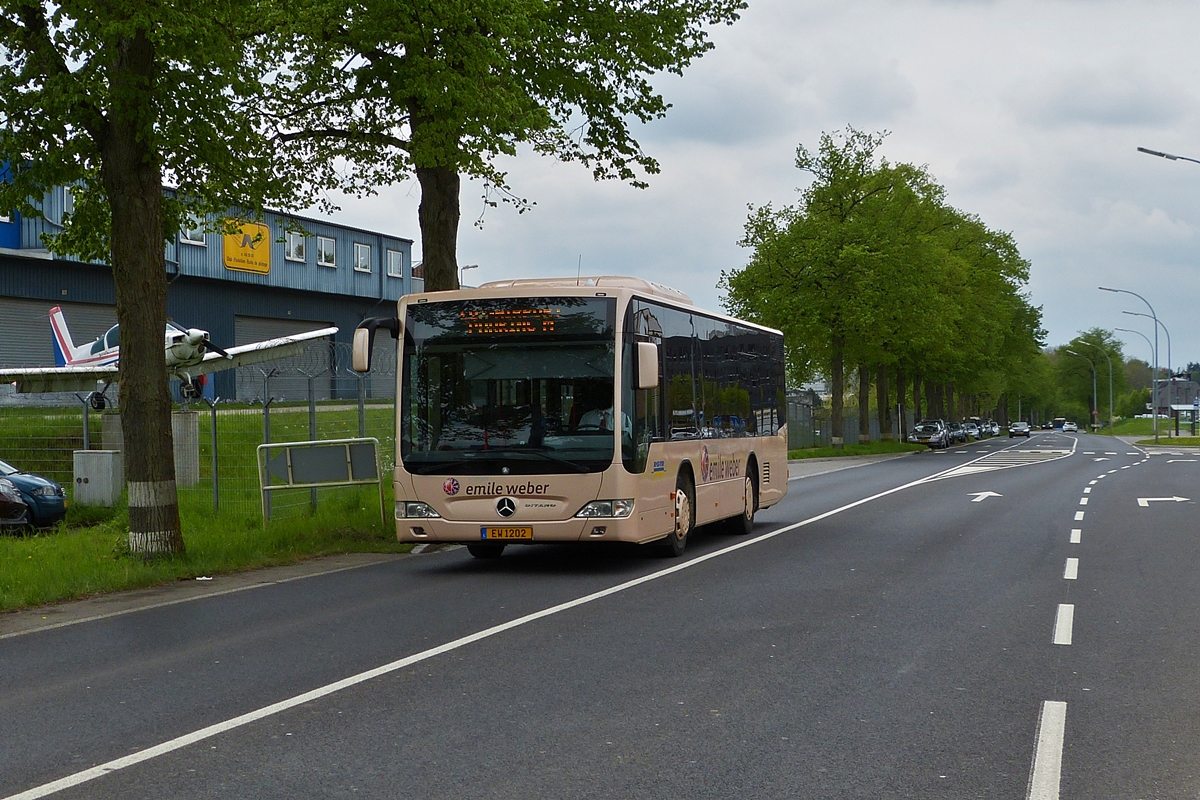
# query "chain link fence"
(308, 396)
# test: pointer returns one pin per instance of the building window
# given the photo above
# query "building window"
(68, 201)
(395, 264)
(294, 248)
(362, 257)
(326, 255)
(193, 231)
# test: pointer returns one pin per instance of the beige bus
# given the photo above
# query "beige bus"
(591, 410)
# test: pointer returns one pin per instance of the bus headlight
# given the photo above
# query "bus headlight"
(411, 509)
(607, 508)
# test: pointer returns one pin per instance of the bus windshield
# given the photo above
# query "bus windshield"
(509, 385)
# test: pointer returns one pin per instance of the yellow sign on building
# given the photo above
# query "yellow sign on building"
(249, 250)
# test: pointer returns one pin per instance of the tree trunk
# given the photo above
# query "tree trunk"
(902, 405)
(438, 215)
(882, 405)
(132, 177)
(864, 404)
(917, 397)
(837, 389)
(948, 394)
(933, 408)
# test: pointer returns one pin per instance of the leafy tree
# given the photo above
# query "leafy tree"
(440, 89)
(873, 267)
(115, 99)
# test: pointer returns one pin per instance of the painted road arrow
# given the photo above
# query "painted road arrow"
(1145, 502)
(981, 496)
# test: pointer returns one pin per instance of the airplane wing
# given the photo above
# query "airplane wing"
(58, 379)
(258, 352)
(85, 379)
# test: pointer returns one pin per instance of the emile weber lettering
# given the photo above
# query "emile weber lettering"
(509, 489)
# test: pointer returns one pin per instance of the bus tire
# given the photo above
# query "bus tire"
(685, 517)
(485, 549)
(743, 523)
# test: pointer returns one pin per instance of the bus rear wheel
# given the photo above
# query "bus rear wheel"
(685, 517)
(743, 523)
(485, 550)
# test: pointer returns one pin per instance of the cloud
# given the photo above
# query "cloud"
(1109, 97)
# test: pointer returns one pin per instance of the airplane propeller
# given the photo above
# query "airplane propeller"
(208, 345)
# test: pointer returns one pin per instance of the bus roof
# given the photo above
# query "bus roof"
(596, 281)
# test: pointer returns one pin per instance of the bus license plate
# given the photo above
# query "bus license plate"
(505, 533)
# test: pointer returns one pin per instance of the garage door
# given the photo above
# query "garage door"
(27, 340)
(291, 384)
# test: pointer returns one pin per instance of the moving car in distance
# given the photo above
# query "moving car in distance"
(45, 499)
(13, 511)
(1018, 429)
(1070, 427)
(931, 432)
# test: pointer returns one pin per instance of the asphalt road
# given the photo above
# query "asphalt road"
(885, 632)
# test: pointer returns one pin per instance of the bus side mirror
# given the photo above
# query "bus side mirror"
(647, 365)
(364, 340)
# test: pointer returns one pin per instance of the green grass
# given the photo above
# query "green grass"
(74, 562)
(873, 448)
(1178, 441)
(87, 554)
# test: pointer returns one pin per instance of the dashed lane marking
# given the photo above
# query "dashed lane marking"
(1076, 535)
(1071, 570)
(1045, 774)
(1064, 622)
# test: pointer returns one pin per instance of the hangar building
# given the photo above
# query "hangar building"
(285, 275)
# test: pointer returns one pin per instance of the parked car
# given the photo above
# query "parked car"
(1018, 429)
(931, 432)
(45, 499)
(957, 432)
(13, 511)
(1070, 427)
(973, 431)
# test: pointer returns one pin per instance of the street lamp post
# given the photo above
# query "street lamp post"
(1154, 385)
(1110, 397)
(1091, 364)
(463, 269)
(1144, 336)
(1170, 370)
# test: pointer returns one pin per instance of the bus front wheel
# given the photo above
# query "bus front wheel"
(485, 550)
(685, 517)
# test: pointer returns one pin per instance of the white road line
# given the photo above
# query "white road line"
(216, 729)
(1076, 535)
(1093, 483)
(1087, 489)
(1110, 472)
(1064, 621)
(1083, 501)
(1045, 773)
(189, 599)
(1078, 516)
(1071, 571)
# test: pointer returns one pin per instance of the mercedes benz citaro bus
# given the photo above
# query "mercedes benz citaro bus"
(592, 410)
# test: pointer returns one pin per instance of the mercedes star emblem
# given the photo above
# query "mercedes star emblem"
(506, 507)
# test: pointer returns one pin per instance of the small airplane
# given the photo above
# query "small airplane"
(189, 352)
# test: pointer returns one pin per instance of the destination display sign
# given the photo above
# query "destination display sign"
(509, 320)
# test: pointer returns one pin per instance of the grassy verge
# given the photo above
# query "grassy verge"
(1178, 441)
(74, 561)
(873, 448)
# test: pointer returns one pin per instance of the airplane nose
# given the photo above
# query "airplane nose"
(195, 336)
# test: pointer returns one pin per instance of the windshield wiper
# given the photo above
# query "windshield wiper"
(549, 457)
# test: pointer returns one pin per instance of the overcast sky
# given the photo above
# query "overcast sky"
(1028, 112)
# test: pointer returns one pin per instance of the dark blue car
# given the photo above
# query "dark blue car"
(46, 500)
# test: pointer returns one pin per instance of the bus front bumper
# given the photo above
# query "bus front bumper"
(594, 529)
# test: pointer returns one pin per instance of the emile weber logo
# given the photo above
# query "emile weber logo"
(716, 467)
(451, 487)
